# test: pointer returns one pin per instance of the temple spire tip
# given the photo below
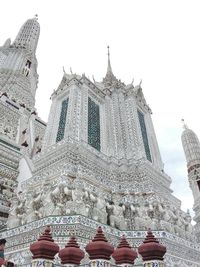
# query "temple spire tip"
(109, 69)
(184, 124)
(108, 47)
(109, 79)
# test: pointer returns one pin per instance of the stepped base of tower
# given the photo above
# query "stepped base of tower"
(180, 252)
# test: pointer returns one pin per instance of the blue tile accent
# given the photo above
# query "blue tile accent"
(62, 121)
(93, 124)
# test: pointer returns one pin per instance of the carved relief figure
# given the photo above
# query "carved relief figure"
(59, 196)
(35, 207)
(81, 199)
(17, 212)
(116, 214)
(99, 210)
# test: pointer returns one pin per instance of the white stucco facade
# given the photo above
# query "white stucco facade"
(95, 162)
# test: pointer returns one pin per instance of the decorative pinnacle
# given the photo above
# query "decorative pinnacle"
(151, 249)
(109, 79)
(99, 236)
(71, 254)
(44, 247)
(185, 127)
(99, 247)
(109, 65)
(36, 16)
(123, 243)
(46, 235)
(108, 51)
(124, 253)
(150, 237)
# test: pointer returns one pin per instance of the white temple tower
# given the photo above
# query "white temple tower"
(191, 146)
(97, 164)
(99, 141)
(112, 117)
(21, 130)
(18, 64)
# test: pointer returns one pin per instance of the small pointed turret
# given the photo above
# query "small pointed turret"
(124, 255)
(151, 249)
(71, 254)
(99, 248)
(191, 147)
(44, 247)
(28, 35)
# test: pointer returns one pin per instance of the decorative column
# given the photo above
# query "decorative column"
(99, 250)
(71, 255)
(124, 255)
(44, 250)
(152, 251)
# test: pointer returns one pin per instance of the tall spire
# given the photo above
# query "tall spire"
(109, 69)
(191, 147)
(109, 78)
(21, 80)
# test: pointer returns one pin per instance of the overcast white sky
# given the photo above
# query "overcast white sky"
(156, 41)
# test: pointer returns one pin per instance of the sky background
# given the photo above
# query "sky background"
(156, 41)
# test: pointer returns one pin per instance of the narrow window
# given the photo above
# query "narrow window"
(93, 124)
(62, 121)
(27, 68)
(144, 135)
(198, 183)
(28, 64)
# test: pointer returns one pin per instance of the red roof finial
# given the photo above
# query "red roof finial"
(44, 248)
(151, 249)
(99, 248)
(71, 254)
(124, 253)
